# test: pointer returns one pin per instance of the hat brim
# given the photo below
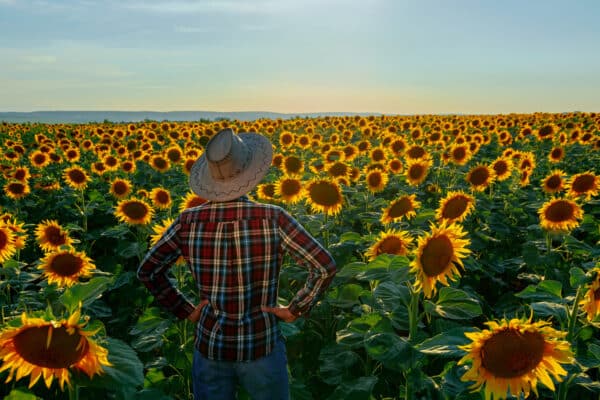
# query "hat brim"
(204, 185)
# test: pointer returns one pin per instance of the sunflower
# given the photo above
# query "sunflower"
(76, 177)
(390, 242)
(134, 211)
(266, 191)
(18, 230)
(398, 146)
(395, 166)
(416, 152)
(292, 165)
(416, 171)
(65, 267)
(120, 188)
(584, 184)
(39, 159)
(338, 169)
(591, 301)
(554, 182)
(50, 349)
(376, 180)
(556, 154)
(286, 139)
(437, 256)
(560, 215)
(480, 177)
(161, 198)
(514, 356)
(459, 154)
(16, 189)
(51, 236)
(378, 154)
(99, 168)
(128, 166)
(174, 154)
(21, 174)
(403, 207)
(324, 195)
(160, 163)
(455, 207)
(546, 132)
(191, 200)
(7, 242)
(289, 189)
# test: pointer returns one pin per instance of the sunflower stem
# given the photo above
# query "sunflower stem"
(83, 211)
(573, 315)
(413, 314)
(73, 392)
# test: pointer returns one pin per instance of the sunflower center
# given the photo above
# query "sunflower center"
(120, 188)
(377, 155)
(583, 183)
(49, 347)
(391, 245)
(500, 167)
(55, 236)
(338, 169)
(3, 239)
(559, 211)
(135, 210)
(436, 255)
(416, 152)
(479, 176)
(374, 179)
(293, 164)
(459, 153)
(400, 208)
(553, 182)
(455, 207)
(196, 201)
(66, 264)
(16, 188)
(324, 193)
(597, 294)
(162, 197)
(290, 187)
(416, 171)
(546, 131)
(556, 154)
(510, 353)
(160, 163)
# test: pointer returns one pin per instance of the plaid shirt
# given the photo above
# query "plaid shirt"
(235, 251)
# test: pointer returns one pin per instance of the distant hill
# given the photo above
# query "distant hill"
(137, 116)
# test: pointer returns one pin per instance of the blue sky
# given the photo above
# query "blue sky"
(293, 56)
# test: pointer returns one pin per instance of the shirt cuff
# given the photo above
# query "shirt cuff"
(185, 310)
(294, 309)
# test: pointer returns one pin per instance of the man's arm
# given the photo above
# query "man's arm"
(153, 273)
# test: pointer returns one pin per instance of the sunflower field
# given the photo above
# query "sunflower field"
(467, 248)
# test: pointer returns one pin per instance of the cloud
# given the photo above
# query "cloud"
(7, 2)
(39, 59)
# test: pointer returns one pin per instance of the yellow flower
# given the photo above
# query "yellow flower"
(7, 242)
(402, 207)
(438, 256)
(50, 349)
(120, 188)
(191, 200)
(591, 301)
(134, 212)
(65, 267)
(289, 189)
(16, 189)
(554, 182)
(455, 207)
(76, 177)
(584, 184)
(390, 242)
(376, 180)
(324, 196)
(514, 356)
(560, 215)
(161, 198)
(51, 236)
(416, 171)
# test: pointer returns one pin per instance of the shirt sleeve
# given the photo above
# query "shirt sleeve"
(310, 254)
(154, 268)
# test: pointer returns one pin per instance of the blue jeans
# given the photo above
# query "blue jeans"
(264, 379)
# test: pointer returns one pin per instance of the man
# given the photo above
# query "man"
(234, 248)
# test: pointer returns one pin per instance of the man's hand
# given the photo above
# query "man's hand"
(283, 313)
(195, 315)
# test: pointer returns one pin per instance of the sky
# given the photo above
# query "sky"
(297, 56)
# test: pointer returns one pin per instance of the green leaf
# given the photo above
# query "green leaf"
(454, 304)
(446, 343)
(393, 351)
(577, 277)
(550, 309)
(85, 293)
(346, 296)
(353, 335)
(350, 237)
(390, 295)
(547, 290)
(21, 394)
(125, 376)
(336, 364)
(358, 389)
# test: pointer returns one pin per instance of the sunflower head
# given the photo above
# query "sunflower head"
(7, 242)
(161, 198)
(324, 195)
(455, 207)
(591, 301)
(438, 255)
(403, 207)
(391, 241)
(191, 200)
(560, 215)
(288, 189)
(585, 184)
(65, 267)
(134, 211)
(51, 236)
(513, 356)
(50, 348)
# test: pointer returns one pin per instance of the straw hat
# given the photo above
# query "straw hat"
(231, 165)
